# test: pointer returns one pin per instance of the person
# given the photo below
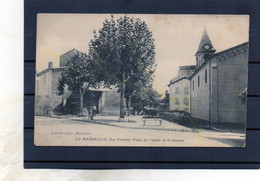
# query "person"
(160, 122)
(85, 113)
(94, 110)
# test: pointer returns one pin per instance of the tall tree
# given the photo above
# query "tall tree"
(124, 51)
(79, 75)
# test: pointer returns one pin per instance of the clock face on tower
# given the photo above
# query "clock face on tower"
(206, 47)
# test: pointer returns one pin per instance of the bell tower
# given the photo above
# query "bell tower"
(205, 49)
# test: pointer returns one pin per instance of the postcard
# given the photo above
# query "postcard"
(141, 80)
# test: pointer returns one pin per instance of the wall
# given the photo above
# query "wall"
(232, 81)
(65, 58)
(55, 98)
(43, 83)
(46, 95)
(213, 74)
(200, 95)
(110, 103)
(186, 70)
(181, 96)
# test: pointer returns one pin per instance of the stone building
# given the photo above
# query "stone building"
(180, 89)
(218, 84)
(48, 102)
(46, 98)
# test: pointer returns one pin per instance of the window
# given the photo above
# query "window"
(193, 85)
(206, 76)
(186, 101)
(198, 80)
(177, 91)
(176, 100)
(186, 90)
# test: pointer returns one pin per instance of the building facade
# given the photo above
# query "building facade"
(48, 102)
(180, 98)
(218, 84)
(179, 89)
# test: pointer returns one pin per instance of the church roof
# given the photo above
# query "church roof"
(176, 79)
(223, 52)
(205, 40)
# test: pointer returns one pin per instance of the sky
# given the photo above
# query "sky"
(176, 37)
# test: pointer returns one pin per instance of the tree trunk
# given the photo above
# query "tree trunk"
(85, 113)
(62, 107)
(80, 102)
(122, 98)
(91, 107)
(129, 105)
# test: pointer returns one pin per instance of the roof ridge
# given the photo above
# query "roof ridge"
(231, 48)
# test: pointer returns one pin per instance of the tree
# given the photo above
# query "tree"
(145, 98)
(135, 86)
(79, 75)
(124, 51)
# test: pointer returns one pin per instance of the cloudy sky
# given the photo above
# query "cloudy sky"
(176, 37)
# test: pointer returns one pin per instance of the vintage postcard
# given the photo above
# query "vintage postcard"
(141, 80)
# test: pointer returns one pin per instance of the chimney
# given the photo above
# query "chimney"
(50, 65)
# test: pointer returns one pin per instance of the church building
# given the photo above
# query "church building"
(217, 84)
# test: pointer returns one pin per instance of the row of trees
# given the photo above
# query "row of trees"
(121, 54)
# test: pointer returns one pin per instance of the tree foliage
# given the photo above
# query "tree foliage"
(124, 51)
(145, 98)
(79, 75)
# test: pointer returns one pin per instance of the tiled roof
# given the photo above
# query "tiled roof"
(47, 70)
(178, 78)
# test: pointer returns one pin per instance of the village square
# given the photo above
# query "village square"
(106, 97)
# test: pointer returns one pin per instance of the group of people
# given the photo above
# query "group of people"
(90, 112)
